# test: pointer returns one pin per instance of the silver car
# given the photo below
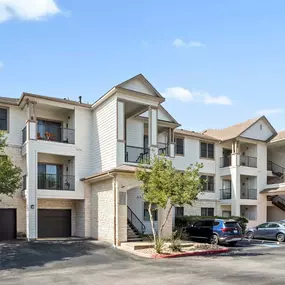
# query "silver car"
(272, 230)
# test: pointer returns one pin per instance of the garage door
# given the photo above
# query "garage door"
(54, 223)
(8, 229)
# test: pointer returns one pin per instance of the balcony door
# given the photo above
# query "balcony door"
(48, 130)
(50, 176)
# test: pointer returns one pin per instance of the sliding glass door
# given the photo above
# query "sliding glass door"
(50, 176)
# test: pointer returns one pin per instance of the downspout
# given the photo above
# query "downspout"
(116, 210)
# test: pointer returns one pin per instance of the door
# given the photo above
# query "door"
(54, 223)
(8, 229)
(261, 231)
(272, 230)
(50, 176)
(195, 230)
(207, 229)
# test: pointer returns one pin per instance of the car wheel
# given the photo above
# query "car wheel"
(249, 235)
(232, 243)
(280, 237)
(214, 239)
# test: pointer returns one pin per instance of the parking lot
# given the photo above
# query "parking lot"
(88, 262)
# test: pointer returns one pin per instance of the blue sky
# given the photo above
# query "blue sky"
(219, 62)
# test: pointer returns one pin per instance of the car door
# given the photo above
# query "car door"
(272, 230)
(261, 231)
(207, 229)
(196, 229)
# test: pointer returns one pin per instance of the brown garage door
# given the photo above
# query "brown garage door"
(8, 229)
(54, 223)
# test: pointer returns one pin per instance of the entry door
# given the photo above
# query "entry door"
(50, 176)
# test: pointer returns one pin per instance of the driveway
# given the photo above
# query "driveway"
(87, 262)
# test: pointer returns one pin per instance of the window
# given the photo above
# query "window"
(263, 226)
(226, 214)
(199, 224)
(50, 176)
(207, 212)
(3, 119)
(146, 213)
(179, 146)
(207, 150)
(273, 226)
(208, 224)
(209, 186)
(179, 211)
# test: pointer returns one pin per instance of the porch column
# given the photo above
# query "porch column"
(31, 197)
(152, 131)
(121, 132)
(235, 180)
(31, 120)
(171, 143)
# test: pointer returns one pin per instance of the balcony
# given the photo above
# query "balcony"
(248, 194)
(24, 185)
(24, 135)
(225, 161)
(56, 182)
(225, 194)
(48, 132)
(248, 161)
(163, 149)
(137, 154)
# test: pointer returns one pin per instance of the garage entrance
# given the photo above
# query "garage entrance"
(8, 228)
(54, 223)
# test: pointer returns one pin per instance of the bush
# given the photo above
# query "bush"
(175, 242)
(181, 222)
(159, 245)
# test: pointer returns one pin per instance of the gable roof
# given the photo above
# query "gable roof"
(279, 137)
(143, 79)
(235, 131)
(10, 101)
(194, 134)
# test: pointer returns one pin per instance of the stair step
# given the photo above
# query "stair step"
(134, 239)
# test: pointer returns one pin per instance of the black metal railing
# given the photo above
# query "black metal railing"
(24, 186)
(135, 222)
(24, 135)
(276, 169)
(163, 149)
(225, 161)
(275, 179)
(248, 161)
(56, 182)
(55, 134)
(226, 194)
(279, 202)
(249, 194)
(137, 154)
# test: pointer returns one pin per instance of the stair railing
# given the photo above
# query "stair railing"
(135, 222)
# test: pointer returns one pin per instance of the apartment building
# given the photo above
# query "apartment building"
(79, 163)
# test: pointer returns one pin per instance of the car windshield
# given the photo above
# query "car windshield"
(231, 225)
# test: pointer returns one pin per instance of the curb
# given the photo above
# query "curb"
(191, 253)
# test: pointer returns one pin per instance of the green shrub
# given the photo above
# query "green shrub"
(175, 242)
(159, 245)
(181, 222)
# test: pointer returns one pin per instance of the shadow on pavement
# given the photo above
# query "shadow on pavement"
(20, 255)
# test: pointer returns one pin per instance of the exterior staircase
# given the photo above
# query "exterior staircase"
(136, 227)
(278, 173)
(279, 202)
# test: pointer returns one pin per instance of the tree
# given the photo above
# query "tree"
(164, 186)
(10, 174)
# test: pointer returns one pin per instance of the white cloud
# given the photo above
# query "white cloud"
(180, 43)
(27, 9)
(1, 65)
(185, 95)
(178, 93)
(221, 100)
(270, 111)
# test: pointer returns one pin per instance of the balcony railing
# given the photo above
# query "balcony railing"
(137, 154)
(55, 134)
(226, 194)
(225, 161)
(56, 182)
(248, 161)
(24, 186)
(163, 149)
(24, 135)
(249, 194)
